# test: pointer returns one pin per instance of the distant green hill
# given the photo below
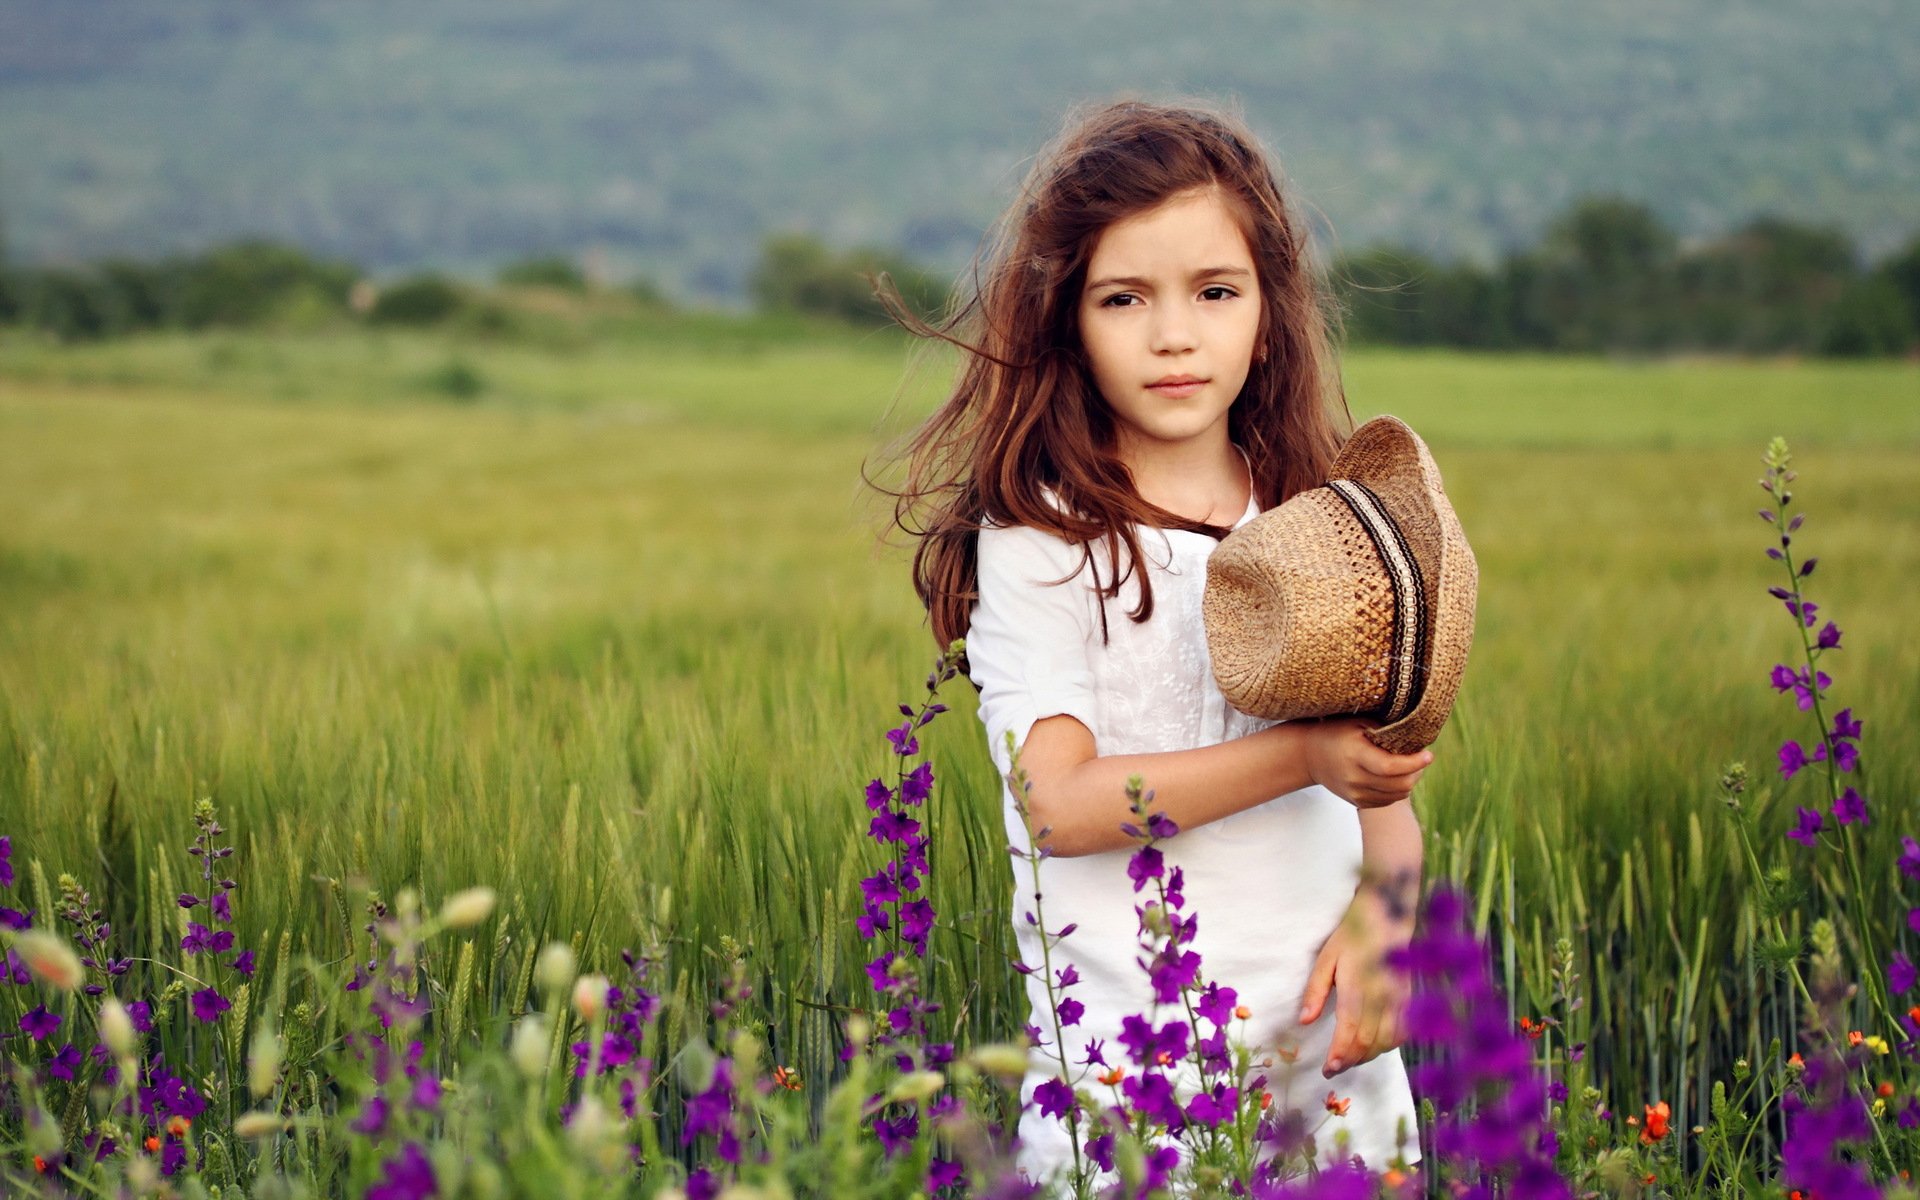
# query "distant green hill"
(669, 138)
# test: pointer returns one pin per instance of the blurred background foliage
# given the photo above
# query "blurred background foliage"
(1606, 277)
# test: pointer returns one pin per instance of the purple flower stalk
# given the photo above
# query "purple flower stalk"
(892, 906)
(1838, 741)
(1489, 1128)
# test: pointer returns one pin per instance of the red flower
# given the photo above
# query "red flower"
(1658, 1116)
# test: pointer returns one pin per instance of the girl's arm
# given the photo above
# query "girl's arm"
(1080, 796)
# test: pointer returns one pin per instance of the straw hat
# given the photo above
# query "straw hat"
(1353, 598)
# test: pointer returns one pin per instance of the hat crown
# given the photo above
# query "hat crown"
(1355, 597)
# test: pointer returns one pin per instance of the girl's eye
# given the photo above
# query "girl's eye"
(1119, 300)
(1218, 292)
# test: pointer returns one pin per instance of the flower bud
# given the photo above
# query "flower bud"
(917, 1086)
(465, 909)
(590, 1124)
(556, 968)
(116, 1027)
(531, 1039)
(859, 1029)
(1001, 1059)
(48, 956)
(258, 1125)
(590, 996)
(264, 1057)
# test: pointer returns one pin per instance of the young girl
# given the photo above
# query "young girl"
(1149, 368)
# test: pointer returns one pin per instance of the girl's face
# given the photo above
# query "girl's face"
(1169, 318)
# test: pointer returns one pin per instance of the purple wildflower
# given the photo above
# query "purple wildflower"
(13, 918)
(1900, 974)
(1850, 808)
(1146, 863)
(1792, 758)
(1910, 858)
(1846, 756)
(372, 1120)
(141, 1014)
(896, 1134)
(904, 743)
(39, 1024)
(1807, 832)
(63, 1064)
(208, 1004)
(1053, 1098)
(243, 963)
(407, 1176)
(1829, 633)
(202, 940)
(1069, 1011)
(221, 906)
(1845, 726)
(917, 785)
(6, 862)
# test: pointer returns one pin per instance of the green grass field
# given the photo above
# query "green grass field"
(604, 622)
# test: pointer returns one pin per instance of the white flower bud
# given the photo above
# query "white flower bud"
(556, 968)
(116, 1027)
(48, 956)
(590, 996)
(264, 1057)
(531, 1039)
(918, 1086)
(1002, 1059)
(256, 1124)
(465, 909)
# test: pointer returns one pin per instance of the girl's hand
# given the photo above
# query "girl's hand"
(1370, 998)
(1342, 760)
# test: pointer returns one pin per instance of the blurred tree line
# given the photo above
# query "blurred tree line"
(1607, 276)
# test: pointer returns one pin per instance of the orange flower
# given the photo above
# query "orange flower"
(1884, 1091)
(1266, 1101)
(178, 1126)
(787, 1078)
(1288, 1054)
(1658, 1115)
(152, 1143)
(1913, 1014)
(1794, 1060)
(1243, 1012)
(1532, 1028)
(1855, 1037)
(1648, 1179)
(1337, 1105)
(1113, 1077)
(1163, 1058)
(40, 1164)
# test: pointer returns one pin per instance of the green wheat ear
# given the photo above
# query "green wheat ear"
(457, 1003)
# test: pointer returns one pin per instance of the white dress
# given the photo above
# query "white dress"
(1268, 884)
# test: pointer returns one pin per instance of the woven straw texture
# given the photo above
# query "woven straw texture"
(1299, 606)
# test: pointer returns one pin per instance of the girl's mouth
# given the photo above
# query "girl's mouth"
(1176, 386)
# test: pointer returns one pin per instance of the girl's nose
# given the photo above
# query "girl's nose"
(1173, 329)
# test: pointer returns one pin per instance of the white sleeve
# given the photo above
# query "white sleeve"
(1028, 647)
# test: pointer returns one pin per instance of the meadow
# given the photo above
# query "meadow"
(603, 620)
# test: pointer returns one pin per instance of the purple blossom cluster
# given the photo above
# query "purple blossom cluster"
(92, 933)
(894, 907)
(200, 940)
(1490, 1131)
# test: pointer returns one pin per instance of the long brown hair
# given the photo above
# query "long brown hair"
(1024, 418)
